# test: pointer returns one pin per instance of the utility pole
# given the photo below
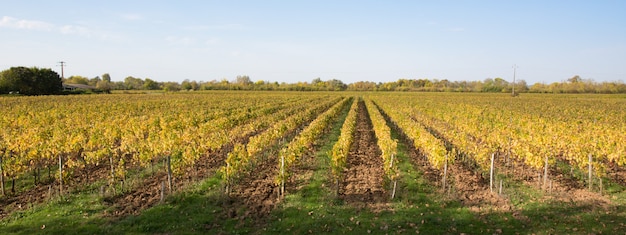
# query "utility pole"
(62, 66)
(514, 68)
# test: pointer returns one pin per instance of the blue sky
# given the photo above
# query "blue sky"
(291, 41)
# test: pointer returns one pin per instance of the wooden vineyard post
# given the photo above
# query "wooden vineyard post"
(545, 174)
(112, 182)
(590, 171)
(60, 175)
(151, 166)
(1, 176)
(445, 172)
(395, 182)
(227, 178)
(282, 175)
(169, 173)
(600, 186)
(491, 173)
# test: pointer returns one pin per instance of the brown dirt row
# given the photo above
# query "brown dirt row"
(48, 189)
(563, 188)
(149, 193)
(256, 194)
(468, 186)
(617, 174)
(363, 178)
(132, 202)
(560, 186)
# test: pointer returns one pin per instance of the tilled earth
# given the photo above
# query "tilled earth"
(363, 178)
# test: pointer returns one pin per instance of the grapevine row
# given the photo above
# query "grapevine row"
(302, 143)
(243, 155)
(432, 147)
(94, 130)
(340, 150)
(387, 145)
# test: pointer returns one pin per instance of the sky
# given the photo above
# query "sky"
(298, 41)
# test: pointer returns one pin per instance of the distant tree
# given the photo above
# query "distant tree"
(243, 80)
(119, 85)
(575, 79)
(77, 80)
(94, 81)
(336, 85)
(30, 81)
(495, 85)
(521, 86)
(186, 85)
(106, 77)
(131, 83)
(318, 82)
(170, 86)
(195, 85)
(150, 84)
(104, 86)
(362, 86)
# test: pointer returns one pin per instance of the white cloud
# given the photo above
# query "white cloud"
(10, 22)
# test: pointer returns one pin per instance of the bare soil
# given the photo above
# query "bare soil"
(473, 190)
(560, 186)
(363, 178)
(256, 194)
(49, 188)
(149, 193)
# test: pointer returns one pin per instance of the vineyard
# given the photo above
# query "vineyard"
(313, 162)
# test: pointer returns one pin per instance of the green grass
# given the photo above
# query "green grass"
(198, 210)
(74, 214)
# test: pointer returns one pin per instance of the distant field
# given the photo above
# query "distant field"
(224, 162)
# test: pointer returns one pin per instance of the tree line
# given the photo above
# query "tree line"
(30, 81)
(38, 81)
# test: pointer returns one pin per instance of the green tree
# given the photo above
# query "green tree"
(30, 81)
(106, 77)
(94, 81)
(170, 86)
(104, 86)
(243, 81)
(77, 80)
(150, 84)
(131, 83)
(186, 85)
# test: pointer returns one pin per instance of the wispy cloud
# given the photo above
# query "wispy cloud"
(35, 25)
(10, 22)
